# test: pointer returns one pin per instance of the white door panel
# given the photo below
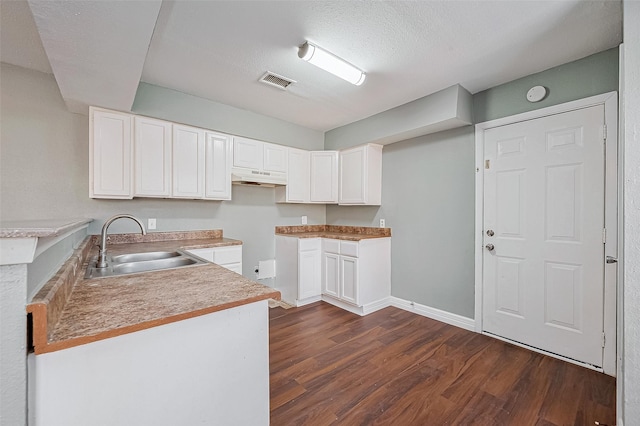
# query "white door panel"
(544, 201)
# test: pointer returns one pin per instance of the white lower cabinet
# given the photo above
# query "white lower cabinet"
(229, 257)
(331, 274)
(356, 276)
(298, 263)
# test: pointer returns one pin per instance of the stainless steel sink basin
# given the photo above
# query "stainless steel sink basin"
(134, 263)
(152, 265)
(140, 257)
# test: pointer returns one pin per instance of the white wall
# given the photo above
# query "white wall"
(630, 377)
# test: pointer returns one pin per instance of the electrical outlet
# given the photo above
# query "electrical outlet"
(304, 220)
(381, 223)
(151, 224)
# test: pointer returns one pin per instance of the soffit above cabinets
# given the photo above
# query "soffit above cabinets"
(96, 48)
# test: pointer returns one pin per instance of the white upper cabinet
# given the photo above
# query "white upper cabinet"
(110, 152)
(361, 175)
(298, 184)
(188, 162)
(275, 158)
(258, 155)
(152, 147)
(324, 177)
(247, 153)
(217, 166)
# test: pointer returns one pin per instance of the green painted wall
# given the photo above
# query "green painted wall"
(160, 102)
(428, 187)
(585, 77)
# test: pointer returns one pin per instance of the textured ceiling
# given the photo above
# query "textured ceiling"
(219, 49)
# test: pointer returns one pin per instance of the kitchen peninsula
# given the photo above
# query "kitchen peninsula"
(175, 346)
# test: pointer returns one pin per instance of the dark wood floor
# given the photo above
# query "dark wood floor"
(392, 367)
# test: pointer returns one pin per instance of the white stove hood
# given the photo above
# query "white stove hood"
(240, 176)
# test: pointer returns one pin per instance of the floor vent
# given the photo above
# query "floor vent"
(276, 80)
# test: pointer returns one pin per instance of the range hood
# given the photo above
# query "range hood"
(250, 177)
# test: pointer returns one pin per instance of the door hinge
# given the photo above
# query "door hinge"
(487, 164)
(604, 132)
(604, 235)
(604, 339)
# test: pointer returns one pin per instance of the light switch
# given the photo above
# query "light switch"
(304, 220)
(151, 224)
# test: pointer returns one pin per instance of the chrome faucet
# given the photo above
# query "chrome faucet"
(102, 254)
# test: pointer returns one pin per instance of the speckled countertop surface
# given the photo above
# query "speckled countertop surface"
(337, 232)
(70, 310)
(38, 228)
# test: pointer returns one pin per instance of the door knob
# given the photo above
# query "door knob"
(490, 232)
(490, 247)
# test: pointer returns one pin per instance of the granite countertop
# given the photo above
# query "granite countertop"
(70, 310)
(338, 232)
(38, 228)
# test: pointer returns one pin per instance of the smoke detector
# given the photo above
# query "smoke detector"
(275, 80)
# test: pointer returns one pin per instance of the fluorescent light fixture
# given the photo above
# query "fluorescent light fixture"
(331, 63)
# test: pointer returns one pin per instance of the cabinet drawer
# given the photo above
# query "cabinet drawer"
(220, 255)
(205, 253)
(309, 244)
(331, 246)
(224, 255)
(349, 248)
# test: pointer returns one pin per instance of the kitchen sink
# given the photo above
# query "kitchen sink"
(140, 257)
(134, 263)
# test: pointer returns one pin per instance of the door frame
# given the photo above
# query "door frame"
(612, 207)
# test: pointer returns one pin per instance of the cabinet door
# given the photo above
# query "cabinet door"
(309, 276)
(152, 146)
(247, 153)
(298, 176)
(324, 176)
(110, 152)
(349, 279)
(275, 158)
(217, 168)
(352, 176)
(331, 274)
(188, 162)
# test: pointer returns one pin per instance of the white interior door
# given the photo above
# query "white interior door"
(544, 198)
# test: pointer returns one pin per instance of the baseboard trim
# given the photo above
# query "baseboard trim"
(358, 310)
(376, 306)
(307, 301)
(434, 313)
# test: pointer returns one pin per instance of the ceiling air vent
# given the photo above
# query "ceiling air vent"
(276, 80)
